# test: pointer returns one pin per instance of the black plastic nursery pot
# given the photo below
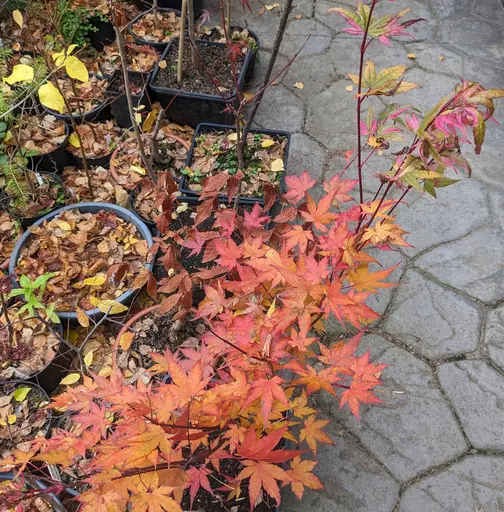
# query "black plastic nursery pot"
(100, 113)
(138, 39)
(99, 161)
(123, 213)
(54, 161)
(29, 221)
(190, 108)
(211, 127)
(53, 500)
(104, 35)
(118, 101)
(144, 5)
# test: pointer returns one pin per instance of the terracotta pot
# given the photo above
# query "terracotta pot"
(5, 264)
(133, 320)
(112, 167)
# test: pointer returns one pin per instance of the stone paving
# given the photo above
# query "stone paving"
(437, 443)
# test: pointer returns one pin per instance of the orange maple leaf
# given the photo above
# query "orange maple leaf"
(365, 281)
(319, 213)
(156, 499)
(359, 392)
(298, 236)
(301, 476)
(313, 432)
(267, 389)
(263, 475)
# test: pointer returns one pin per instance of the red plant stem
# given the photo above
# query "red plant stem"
(363, 49)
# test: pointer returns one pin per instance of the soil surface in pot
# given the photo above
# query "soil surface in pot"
(26, 345)
(241, 36)
(103, 187)
(89, 94)
(157, 26)
(215, 60)
(41, 136)
(137, 84)
(98, 139)
(215, 152)
(24, 419)
(88, 251)
(30, 194)
(9, 232)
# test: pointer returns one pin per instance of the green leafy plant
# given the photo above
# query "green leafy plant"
(33, 292)
(73, 24)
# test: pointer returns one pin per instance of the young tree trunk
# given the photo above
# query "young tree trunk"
(127, 90)
(180, 63)
(190, 30)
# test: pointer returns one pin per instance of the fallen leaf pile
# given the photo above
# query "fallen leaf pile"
(48, 193)
(128, 164)
(88, 251)
(98, 139)
(21, 416)
(41, 135)
(216, 152)
(9, 231)
(157, 26)
(33, 346)
(90, 94)
(139, 58)
(104, 188)
(148, 201)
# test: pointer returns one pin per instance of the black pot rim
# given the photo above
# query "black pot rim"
(139, 40)
(118, 75)
(63, 144)
(188, 94)
(183, 187)
(120, 212)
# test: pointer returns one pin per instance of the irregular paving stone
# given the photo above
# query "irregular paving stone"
(280, 110)
(474, 264)
(492, 10)
(353, 481)
(469, 30)
(331, 117)
(445, 8)
(494, 336)
(314, 73)
(432, 221)
(474, 484)
(433, 320)
(306, 155)
(412, 431)
(428, 57)
(476, 391)
(260, 69)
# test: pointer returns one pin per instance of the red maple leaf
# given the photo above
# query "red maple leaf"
(229, 253)
(319, 213)
(253, 220)
(298, 186)
(267, 389)
(196, 244)
(359, 393)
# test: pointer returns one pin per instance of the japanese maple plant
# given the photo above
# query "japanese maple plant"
(217, 428)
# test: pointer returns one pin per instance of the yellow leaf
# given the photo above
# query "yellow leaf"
(268, 143)
(271, 309)
(272, 6)
(149, 121)
(248, 96)
(88, 359)
(96, 280)
(59, 58)
(71, 48)
(82, 318)
(299, 85)
(411, 56)
(232, 136)
(73, 336)
(18, 18)
(74, 140)
(108, 305)
(11, 419)
(349, 88)
(138, 118)
(162, 64)
(105, 371)
(441, 57)
(126, 340)
(20, 73)
(63, 224)
(138, 170)
(75, 68)
(51, 98)
(298, 16)
(277, 165)
(71, 378)
(2, 423)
